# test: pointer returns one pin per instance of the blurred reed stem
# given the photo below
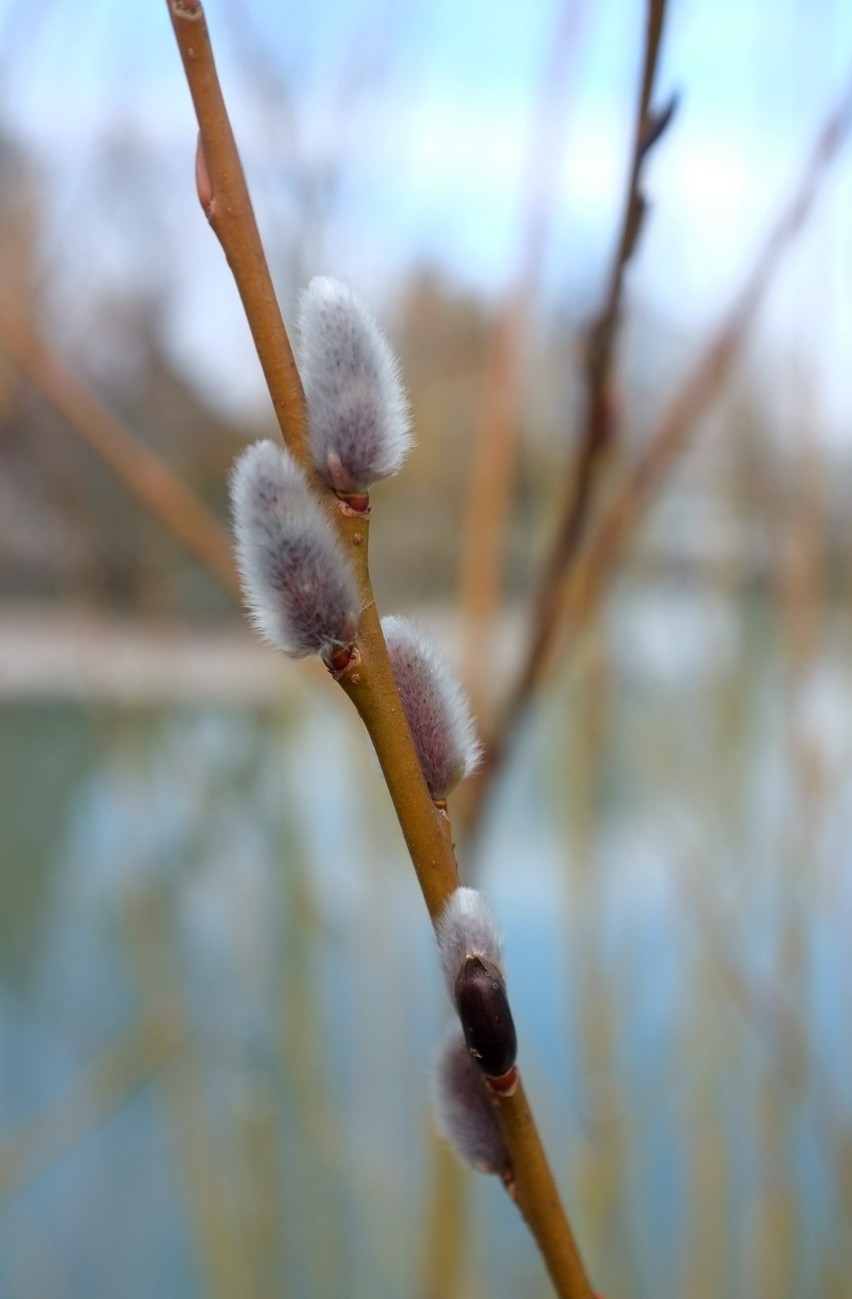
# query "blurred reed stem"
(261, 1218)
(446, 1225)
(218, 1249)
(127, 1063)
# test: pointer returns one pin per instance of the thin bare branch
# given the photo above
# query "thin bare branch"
(153, 482)
(600, 426)
(577, 593)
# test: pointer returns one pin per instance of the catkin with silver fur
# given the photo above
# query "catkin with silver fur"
(358, 422)
(297, 580)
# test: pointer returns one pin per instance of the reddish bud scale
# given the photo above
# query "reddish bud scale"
(505, 1086)
(356, 502)
(486, 1019)
(338, 660)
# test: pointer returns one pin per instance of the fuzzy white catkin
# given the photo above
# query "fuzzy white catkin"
(463, 1110)
(298, 583)
(435, 706)
(466, 927)
(358, 421)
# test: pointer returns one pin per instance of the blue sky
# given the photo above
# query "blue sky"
(422, 116)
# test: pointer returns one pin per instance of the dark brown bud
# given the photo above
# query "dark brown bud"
(486, 1019)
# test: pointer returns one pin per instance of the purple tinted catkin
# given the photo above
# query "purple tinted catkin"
(435, 706)
(463, 1110)
(298, 583)
(357, 409)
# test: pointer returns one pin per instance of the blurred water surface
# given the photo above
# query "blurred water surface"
(218, 998)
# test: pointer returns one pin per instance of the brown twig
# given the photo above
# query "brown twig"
(629, 504)
(224, 196)
(149, 479)
(430, 844)
(370, 685)
(578, 592)
(368, 679)
(601, 401)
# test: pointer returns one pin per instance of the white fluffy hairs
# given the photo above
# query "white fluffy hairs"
(466, 927)
(435, 706)
(463, 1110)
(358, 420)
(298, 583)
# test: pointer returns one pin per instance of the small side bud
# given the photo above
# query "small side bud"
(435, 706)
(299, 586)
(357, 409)
(203, 183)
(463, 1110)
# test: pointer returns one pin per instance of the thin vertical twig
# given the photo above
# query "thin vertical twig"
(600, 426)
(600, 422)
(578, 591)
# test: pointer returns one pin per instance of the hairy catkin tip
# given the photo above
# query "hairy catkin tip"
(298, 583)
(463, 1110)
(358, 420)
(435, 706)
(466, 928)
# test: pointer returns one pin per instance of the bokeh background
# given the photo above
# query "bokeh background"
(218, 997)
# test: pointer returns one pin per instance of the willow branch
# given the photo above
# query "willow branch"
(153, 482)
(370, 685)
(368, 679)
(537, 1196)
(428, 836)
